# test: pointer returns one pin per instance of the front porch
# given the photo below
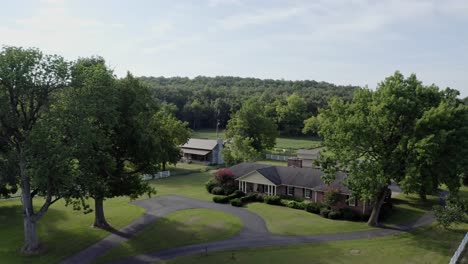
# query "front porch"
(250, 187)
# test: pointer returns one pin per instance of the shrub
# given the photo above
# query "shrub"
(334, 215)
(210, 185)
(292, 198)
(349, 215)
(331, 197)
(221, 199)
(448, 215)
(236, 202)
(236, 194)
(275, 200)
(228, 190)
(217, 190)
(314, 208)
(296, 205)
(324, 212)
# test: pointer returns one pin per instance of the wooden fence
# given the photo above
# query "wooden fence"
(158, 175)
(460, 249)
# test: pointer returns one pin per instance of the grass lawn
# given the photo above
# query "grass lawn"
(281, 142)
(273, 162)
(180, 228)
(189, 185)
(300, 222)
(426, 245)
(62, 230)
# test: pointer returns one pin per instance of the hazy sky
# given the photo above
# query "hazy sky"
(344, 42)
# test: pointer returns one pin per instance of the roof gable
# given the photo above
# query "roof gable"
(197, 143)
(256, 177)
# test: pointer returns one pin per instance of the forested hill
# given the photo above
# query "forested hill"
(202, 100)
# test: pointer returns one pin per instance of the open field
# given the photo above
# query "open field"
(427, 245)
(180, 228)
(281, 142)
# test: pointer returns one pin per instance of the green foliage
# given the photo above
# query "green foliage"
(314, 207)
(296, 205)
(275, 200)
(290, 116)
(217, 190)
(403, 132)
(335, 215)
(236, 202)
(221, 199)
(324, 212)
(252, 198)
(204, 100)
(448, 215)
(350, 215)
(236, 194)
(331, 197)
(210, 184)
(249, 133)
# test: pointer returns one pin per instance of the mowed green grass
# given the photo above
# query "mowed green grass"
(281, 142)
(62, 230)
(177, 229)
(189, 185)
(427, 245)
(287, 221)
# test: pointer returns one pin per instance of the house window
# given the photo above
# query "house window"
(289, 190)
(352, 201)
(307, 193)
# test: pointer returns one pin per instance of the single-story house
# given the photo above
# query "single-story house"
(299, 182)
(308, 156)
(206, 151)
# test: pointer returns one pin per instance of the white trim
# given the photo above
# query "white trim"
(305, 193)
(287, 191)
(248, 174)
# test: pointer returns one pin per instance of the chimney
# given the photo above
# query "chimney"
(295, 162)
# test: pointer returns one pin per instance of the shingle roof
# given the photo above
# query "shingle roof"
(196, 143)
(300, 177)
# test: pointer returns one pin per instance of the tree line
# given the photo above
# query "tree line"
(203, 101)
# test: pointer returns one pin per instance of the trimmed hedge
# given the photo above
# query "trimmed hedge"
(296, 205)
(217, 190)
(292, 198)
(252, 198)
(350, 215)
(209, 185)
(236, 202)
(221, 199)
(236, 194)
(334, 215)
(314, 207)
(324, 212)
(275, 200)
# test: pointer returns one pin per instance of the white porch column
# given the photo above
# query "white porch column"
(274, 189)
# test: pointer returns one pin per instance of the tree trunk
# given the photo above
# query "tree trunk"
(31, 240)
(100, 219)
(422, 195)
(374, 217)
(164, 166)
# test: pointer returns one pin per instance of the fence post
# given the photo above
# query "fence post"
(460, 249)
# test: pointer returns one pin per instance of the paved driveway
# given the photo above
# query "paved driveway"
(253, 234)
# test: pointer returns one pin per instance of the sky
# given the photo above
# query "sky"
(354, 42)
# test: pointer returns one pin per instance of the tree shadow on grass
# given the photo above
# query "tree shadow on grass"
(166, 233)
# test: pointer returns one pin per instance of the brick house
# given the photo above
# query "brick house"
(294, 181)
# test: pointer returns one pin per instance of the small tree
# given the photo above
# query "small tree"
(448, 215)
(225, 179)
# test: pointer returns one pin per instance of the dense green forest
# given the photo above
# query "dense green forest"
(202, 101)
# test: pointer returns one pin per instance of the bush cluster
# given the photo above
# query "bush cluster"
(274, 200)
(252, 198)
(217, 191)
(314, 207)
(237, 202)
(296, 205)
(221, 199)
(324, 212)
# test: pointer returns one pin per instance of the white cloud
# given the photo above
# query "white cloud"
(261, 17)
(216, 3)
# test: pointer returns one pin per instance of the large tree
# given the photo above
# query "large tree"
(251, 131)
(116, 134)
(382, 136)
(29, 81)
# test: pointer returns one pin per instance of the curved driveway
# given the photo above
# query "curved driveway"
(253, 234)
